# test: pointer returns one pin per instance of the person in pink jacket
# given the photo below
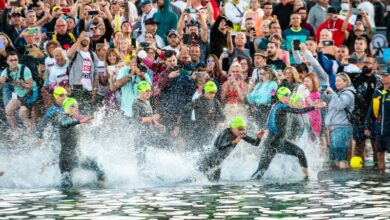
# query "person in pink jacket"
(311, 84)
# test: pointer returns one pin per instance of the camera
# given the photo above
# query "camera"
(93, 12)
(328, 43)
(296, 44)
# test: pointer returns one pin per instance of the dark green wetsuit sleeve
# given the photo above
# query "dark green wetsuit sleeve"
(253, 141)
(137, 111)
(66, 123)
(297, 110)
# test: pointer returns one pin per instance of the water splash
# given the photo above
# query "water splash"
(110, 140)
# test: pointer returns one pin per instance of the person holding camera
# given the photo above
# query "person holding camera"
(295, 32)
(22, 86)
(127, 81)
(334, 24)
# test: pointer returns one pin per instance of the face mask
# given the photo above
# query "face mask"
(344, 6)
(366, 70)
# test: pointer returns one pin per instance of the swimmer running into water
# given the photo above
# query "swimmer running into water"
(225, 143)
(69, 138)
(276, 141)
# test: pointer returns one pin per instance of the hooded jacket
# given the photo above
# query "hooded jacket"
(338, 103)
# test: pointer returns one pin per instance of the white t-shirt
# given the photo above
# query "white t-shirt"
(194, 97)
(86, 79)
(102, 89)
(58, 74)
(49, 63)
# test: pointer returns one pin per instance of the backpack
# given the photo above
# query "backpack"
(33, 95)
(355, 117)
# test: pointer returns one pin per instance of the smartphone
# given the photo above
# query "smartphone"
(187, 39)
(144, 44)
(15, 4)
(225, 50)
(65, 10)
(93, 12)
(296, 44)
(33, 30)
(2, 45)
(133, 41)
(229, 23)
(222, 4)
(328, 43)
(352, 60)
(323, 88)
(190, 10)
(90, 34)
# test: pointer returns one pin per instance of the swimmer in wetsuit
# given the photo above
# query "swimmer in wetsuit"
(208, 114)
(225, 143)
(54, 111)
(276, 141)
(69, 139)
(149, 132)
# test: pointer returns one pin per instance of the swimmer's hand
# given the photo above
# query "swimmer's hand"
(261, 134)
(86, 120)
(320, 105)
(238, 139)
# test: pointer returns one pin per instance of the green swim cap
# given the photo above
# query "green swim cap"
(68, 103)
(143, 86)
(295, 98)
(237, 122)
(58, 91)
(210, 87)
(282, 91)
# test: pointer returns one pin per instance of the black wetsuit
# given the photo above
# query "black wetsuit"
(69, 154)
(276, 141)
(208, 113)
(211, 164)
(146, 135)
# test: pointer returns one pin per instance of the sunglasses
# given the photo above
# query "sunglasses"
(241, 129)
(74, 106)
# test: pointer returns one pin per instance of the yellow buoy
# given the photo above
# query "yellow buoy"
(356, 162)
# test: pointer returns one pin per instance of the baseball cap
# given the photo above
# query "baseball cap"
(171, 32)
(331, 10)
(145, 2)
(151, 21)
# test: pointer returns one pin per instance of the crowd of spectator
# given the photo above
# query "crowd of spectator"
(100, 50)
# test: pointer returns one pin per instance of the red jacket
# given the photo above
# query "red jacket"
(335, 28)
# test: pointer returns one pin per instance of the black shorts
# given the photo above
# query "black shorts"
(382, 143)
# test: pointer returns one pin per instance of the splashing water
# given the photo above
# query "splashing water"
(110, 140)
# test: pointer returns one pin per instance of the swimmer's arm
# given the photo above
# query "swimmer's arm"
(298, 110)
(253, 141)
(69, 123)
